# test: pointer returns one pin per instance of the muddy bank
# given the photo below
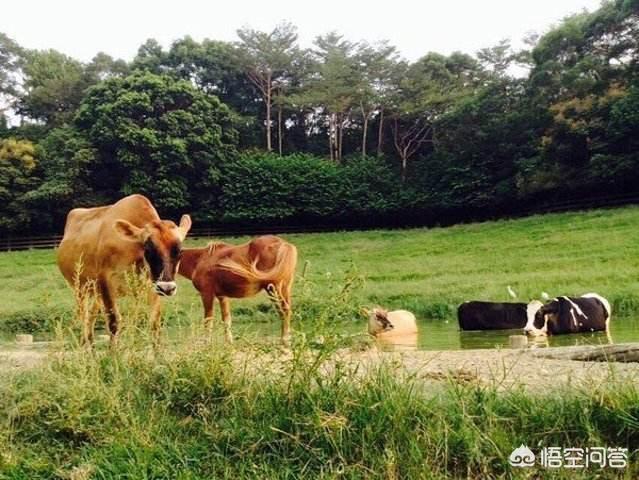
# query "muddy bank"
(503, 369)
(12, 360)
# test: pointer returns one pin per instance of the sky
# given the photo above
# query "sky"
(118, 27)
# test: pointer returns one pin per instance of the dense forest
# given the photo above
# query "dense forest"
(262, 131)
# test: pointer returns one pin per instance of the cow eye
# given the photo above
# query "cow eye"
(176, 252)
(150, 252)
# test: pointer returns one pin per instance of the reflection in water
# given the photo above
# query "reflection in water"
(433, 335)
(470, 340)
(500, 339)
(398, 343)
(445, 335)
(537, 342)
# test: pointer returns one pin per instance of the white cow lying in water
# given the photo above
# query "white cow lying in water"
(382, 323)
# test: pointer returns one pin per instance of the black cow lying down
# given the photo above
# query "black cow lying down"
(478, 315)
(588, 313)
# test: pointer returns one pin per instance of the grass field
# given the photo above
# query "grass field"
(203, 413)
(192, 410)
(427, 271)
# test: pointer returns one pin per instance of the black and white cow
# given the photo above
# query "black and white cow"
(476, 315)
(588, 313)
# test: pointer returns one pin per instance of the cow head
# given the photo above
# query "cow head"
(531, 310)
(544, 316)
(161, 244)
(378, 321)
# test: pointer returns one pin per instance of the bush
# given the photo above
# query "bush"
(158, 136)
(264, 188)
(300, 188)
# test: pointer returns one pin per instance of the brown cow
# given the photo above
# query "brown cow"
(102, 243)
(226, 271)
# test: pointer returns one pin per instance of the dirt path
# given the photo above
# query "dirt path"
(504, 369)
(15, 359)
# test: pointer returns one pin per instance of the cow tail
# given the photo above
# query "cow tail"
(284, 267)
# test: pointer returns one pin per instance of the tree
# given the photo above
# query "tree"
(496, 60)
(267, 57)
(582, 69)
(428, 89)
(103, 66)
(483, 146)
(65, 168)
(377, 65)
(54, 85)
(151, 57)
(161, 137)
(334, 87)
(216, 67)
(17, 165)
(10, 59)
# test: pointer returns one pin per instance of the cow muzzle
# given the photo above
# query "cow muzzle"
(165, 289)
(534, 332)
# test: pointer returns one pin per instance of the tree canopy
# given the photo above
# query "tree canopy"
(262, 130)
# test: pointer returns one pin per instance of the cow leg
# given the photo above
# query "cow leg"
(88, 326)
(110, 309)
(225, 306)
(282, 295)
(208, 301)
(156, 316)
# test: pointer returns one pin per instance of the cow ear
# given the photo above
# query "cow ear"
(365, 311)
(185, 226)
(129, 231)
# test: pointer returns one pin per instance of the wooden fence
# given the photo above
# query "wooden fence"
(51, 241)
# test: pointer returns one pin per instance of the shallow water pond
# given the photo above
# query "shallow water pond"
(433, 335)
(445, 335)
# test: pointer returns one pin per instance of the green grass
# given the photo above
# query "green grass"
(427, 271)
(211, 412)
(198, 411)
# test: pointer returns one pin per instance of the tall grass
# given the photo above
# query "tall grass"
(201, 410)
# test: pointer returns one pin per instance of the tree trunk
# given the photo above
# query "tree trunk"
(340, 139)
(279, 128)
(380, 133)
(404, 164)
(330, 141)
(269, 92)
(364, 133)
(331, 135)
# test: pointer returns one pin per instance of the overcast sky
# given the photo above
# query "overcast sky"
(118, 27)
